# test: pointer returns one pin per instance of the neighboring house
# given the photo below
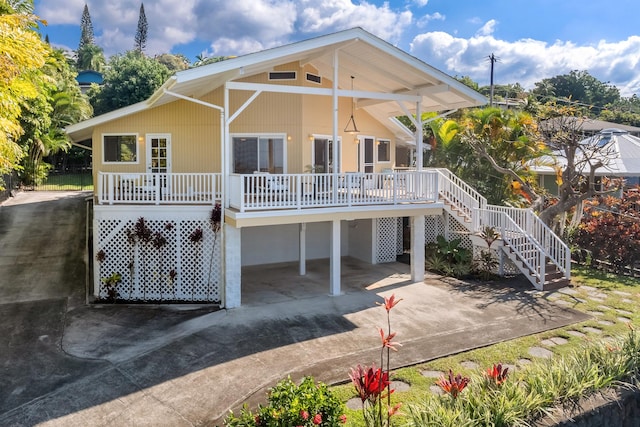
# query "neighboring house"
(615, 148)
(264, 135)
(86, 78)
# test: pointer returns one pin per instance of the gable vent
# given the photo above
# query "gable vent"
(282, 75)
(314, 78)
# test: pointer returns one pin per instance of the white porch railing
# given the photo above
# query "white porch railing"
(158, 188)
(297, 191)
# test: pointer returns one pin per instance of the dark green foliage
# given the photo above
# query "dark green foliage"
(130, 78)
(448, 257)
(308, 404)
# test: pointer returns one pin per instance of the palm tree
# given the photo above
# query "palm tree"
(90, 57)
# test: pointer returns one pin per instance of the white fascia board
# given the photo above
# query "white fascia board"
(104, 118)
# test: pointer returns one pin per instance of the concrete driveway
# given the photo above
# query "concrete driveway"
(68, 364)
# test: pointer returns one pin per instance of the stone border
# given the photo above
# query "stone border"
(610, 407)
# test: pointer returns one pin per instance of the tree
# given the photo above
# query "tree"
(511, 147)
(507, 141)
(23, 55)
(579, 87)
(59, 104)
(173, 62)
(129, 78)
(141, 32)
(90, 57)
(561, 128)
(86, 29)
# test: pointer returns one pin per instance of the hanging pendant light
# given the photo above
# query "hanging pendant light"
(351, 124)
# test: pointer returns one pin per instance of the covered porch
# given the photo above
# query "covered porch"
(264, 191)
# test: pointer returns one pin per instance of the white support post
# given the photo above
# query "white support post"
(417, 248)
(232, 266)
(302, 255)
(334, 259)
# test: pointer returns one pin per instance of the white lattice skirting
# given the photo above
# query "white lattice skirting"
(172, 255)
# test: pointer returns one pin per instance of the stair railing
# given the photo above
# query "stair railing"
(461, 195)
(470, 203)
(555, 249)
(524, 247)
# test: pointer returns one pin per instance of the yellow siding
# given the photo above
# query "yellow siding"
(195, 129)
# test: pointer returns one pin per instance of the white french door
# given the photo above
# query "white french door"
(159, 160)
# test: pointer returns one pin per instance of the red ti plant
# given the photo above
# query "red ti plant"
(453, 385)
(497, 375)
(373, 384)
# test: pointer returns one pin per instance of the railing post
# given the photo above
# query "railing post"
(110, 187)
(242, 195)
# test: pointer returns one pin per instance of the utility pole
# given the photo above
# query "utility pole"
(493, 59)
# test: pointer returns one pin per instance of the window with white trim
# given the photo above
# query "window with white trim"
(122, 148)
(384, 151)
(259, 153)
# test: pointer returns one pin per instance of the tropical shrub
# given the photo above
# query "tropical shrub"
(309, 404)
(610, 230)
(448, 257)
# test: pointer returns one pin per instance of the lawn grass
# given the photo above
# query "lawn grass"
(611, 299)
(67, 182)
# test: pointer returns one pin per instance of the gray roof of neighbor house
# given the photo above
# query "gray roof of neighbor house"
(592, 126)
(387, 79)
(617, 149)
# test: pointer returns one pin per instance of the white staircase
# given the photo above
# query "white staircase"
(537, 252)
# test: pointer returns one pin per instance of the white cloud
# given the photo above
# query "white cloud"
(528, 61)
(228, 27)
(334, 15)
(424, 21)
(421, 3)
(488, 28)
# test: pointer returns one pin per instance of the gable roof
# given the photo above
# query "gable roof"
(378, 68)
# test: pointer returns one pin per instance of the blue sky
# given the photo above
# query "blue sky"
(533, 39)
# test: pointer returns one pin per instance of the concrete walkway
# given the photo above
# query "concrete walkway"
(67, 364)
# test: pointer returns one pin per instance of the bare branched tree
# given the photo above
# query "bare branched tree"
(578, 161)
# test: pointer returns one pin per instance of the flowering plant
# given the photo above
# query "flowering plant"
(308, 404)
(454, 384)
(372, 384)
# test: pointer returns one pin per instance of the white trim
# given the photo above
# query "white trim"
(102, 156)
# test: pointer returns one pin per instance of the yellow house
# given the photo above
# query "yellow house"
(289, 146)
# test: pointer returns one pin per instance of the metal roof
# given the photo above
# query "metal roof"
(620, 155)
(378, 67)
